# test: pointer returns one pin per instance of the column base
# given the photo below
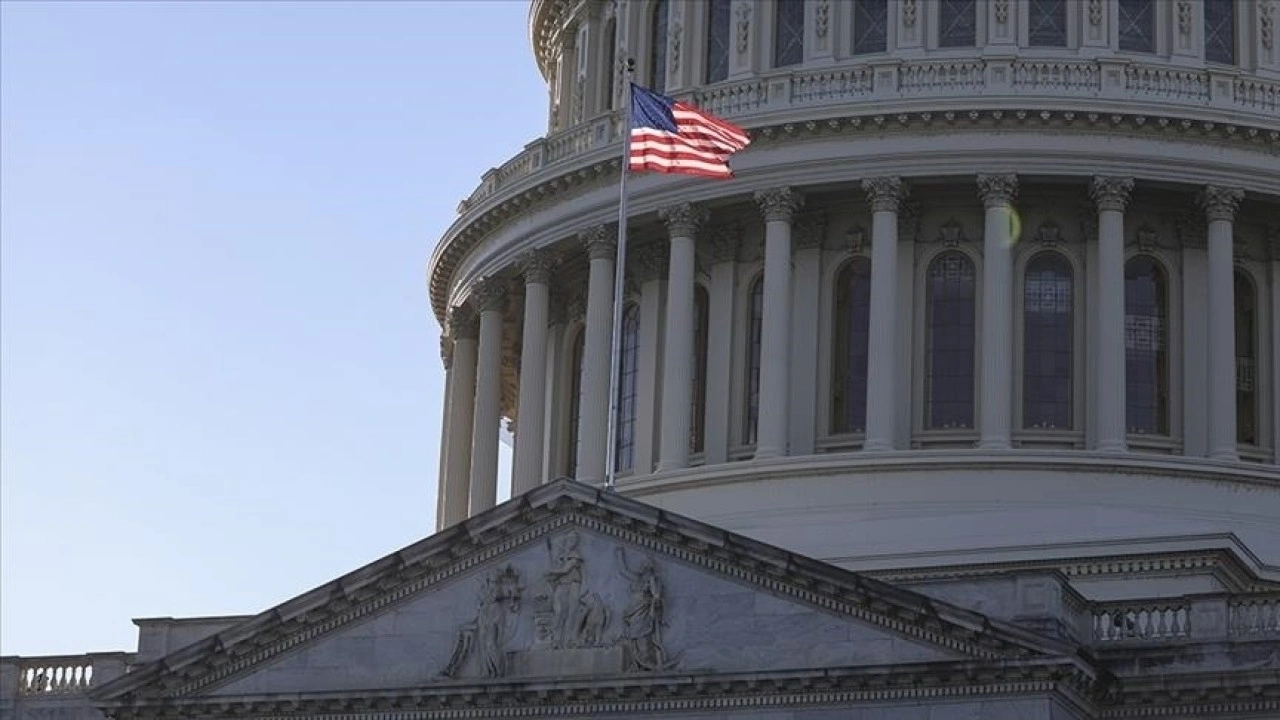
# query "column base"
(1112, 447)
(665, 467)
(877, 446)
(995, 444)
(766, 453)
(1225, 455)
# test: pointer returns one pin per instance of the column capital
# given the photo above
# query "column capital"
(884, 194)
(490, 294)
(683, 219)
(1219, 202)
(725, 240)
(997, 190)
(446, 350)
(464, 324)
(810, 230)
(779, 203)
(601, 241)
(536, 266)
(1111, 193)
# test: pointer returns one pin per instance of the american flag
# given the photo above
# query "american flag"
(671, 137)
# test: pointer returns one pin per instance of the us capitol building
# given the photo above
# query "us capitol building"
(958, 402)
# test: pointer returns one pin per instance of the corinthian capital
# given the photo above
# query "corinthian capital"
(490, 294)
(1111, 193)
(536, 266)
(600, 241)
(463, 323)
(446, 350)
(779, 203)
(998, 190)
(683, 220)
(884, 194)
(1220, 203)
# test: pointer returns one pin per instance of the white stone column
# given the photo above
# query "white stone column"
(682, 222)
(446, 357)
(1274, 246)
(593, 407)
(778, 207)
(995, 409)
(491, 298)
(884, 194)
(720, 342)
(1220, 209)
(808, 233)
(555, 403)
(1111, 195)
(462, 399)
(648, 271)
(530, 413)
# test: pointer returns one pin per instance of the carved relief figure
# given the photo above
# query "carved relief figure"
(643, 619)
(578, 617)
(487, 635)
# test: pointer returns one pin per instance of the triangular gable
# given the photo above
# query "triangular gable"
(568, 581)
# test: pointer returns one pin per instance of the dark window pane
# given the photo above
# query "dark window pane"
(949, 360)
(870, 26)
(753, 362)
(849, 369)
(788, 32)
(957, 24)
(1047, 22)
(1138, 25)
(717, 40)
(1146, 341)
(1220, 31)
(1047, 334)
(658, 47)
(575, 402)
(1246, 301)
(697, 423)
(628, 369)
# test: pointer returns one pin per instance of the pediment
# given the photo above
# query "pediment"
(567, 584)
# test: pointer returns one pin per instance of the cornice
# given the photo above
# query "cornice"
(598, 166)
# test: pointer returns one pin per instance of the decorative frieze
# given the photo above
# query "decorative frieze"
(779, 204)
(601, 241)
(683, 220)
(1220, 203)
(884, 194)
(998, 190)
(1111, 193)
(536, 266)
(486, 636)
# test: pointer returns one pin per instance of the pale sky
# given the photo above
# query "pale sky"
(220, 383)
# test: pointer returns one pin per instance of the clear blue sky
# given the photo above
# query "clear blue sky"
(219, 374)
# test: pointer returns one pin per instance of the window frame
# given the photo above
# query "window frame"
(775, 28)
(1074, 436)
(923, 436)
(1069, 20)
(657, 54)
(831, 348)
(1157, 24)
(1168, 262)
(934, 36)
(853, 30)
(708, 25)
(630, 310)
(1237, 46)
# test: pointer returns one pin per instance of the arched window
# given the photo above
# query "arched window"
(1146, 341)
(575, 401)
(658, 47)
(788, 32)
(717, 40)
(870, 26)
(628, 367)
(697, 423)
(1246, 302)
(949, 349)
(1047, 334)
(753, 361)
(1220, 31)
(611, 63)
(849, 365)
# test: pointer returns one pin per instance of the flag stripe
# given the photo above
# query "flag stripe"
(672, 137)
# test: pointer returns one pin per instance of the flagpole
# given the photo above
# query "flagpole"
(619, 275)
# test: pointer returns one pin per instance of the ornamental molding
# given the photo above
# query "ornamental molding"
(481, 218)
(909, 13)
(821, 18)
(675, 34)
(684, 219)
(464, 323)
(1002, 11)
(999, 190)
(1267, 24)
(884, 194)
(1111, 193)
(1184, 17)
(779, 204)
(1147, 239)
(1219, 202)
(537, 266)
(1095, 12)
(743, 11)
(600, 242)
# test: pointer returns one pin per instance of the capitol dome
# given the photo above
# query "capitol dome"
(997, 283)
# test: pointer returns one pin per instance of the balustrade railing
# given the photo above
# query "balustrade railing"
(55, 676)
(1145, 83)
(1147, 621)
(1254, 616)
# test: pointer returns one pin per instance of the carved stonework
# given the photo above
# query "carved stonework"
(821, 19)
(644, 618)
(809, 230)
(725, 241)
(744, 26)
(486, 637)
(884, 194)
(683, 220)
(1002, 11)
(909, 13)
(675, 34)
(464, 324)
(1111, 193)
(998, 190)
(446, 351)
(855, 238)
(779, 204)
(951, 233)
(1146, 238)
(601, 241)
(1192, 229)
(1267, 25)
(1095, 12)
(650, 262)
(1184, 17)
(536, 266)
(1220, 203)
(568, 615)
(1049, 234)
(490, 294)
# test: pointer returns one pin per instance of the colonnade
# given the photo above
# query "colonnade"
(473, 367)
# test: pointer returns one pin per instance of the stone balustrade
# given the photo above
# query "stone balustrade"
(1235, 617)
(1255, 616)
(1152, 87)
(1157, 620)
(58, 676)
